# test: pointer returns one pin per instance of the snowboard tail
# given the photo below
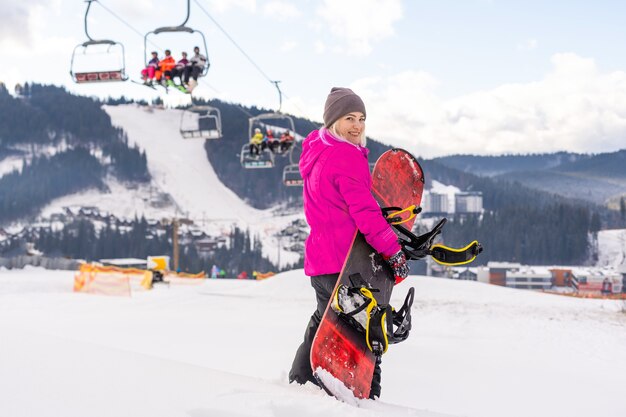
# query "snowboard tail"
(355, 370)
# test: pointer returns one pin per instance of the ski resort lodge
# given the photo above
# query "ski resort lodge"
(581, 280)
(466, 202)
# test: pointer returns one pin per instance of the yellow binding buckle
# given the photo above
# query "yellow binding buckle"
(410, 209)
(456, 251)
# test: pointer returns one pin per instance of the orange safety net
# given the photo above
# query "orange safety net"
(113, 280)
(184, 278)
(263, 275)
(93, 279)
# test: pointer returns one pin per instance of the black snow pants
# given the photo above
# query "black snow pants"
(301, 368)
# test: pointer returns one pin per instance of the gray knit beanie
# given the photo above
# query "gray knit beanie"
(340, 102)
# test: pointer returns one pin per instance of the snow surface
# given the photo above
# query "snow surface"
(224, 348)
(16, 162)
(10, 164)
(441, 188)
(178, 165)
(612, 249)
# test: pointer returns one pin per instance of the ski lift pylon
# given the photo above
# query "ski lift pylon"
(115, 74)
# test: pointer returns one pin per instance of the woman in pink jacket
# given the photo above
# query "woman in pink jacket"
(337, 202)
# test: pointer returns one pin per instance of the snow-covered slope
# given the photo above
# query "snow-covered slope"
(612, 248)
(224, 348)
(181, 169)
(180, 166)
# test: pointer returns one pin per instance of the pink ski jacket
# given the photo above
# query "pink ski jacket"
(337, 201)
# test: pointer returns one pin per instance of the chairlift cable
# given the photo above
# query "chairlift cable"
(234, 42)
(142, 35)
(125, 23)
(245, 54)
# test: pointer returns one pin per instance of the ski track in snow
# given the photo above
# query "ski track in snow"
(224, 348)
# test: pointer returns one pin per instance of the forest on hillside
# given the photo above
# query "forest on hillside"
(519, 223)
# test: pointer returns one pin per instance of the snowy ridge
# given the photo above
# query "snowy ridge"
(224, 348)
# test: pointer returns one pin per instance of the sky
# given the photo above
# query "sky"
(441, 77)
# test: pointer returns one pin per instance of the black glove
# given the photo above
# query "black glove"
(400, 267)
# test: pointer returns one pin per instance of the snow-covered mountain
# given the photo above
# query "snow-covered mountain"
(180, 169)
(224, 348)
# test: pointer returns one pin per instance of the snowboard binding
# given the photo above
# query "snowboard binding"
(356, 304)
(418, 247)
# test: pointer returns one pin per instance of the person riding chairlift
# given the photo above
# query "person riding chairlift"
(148, 73)
(270, 141)
(165, 67)
(286, 140)
(198, 62)
(255, 142)
(179, 69)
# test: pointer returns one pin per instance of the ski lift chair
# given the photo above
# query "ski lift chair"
(292, 176)
(177, 29)
(265, 159)
(262, 121)
(81, 77)
(291, 173)
(201, 122)
(108, 75)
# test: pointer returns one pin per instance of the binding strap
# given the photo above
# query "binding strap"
(358, 307)
(402, 319)
(395, 215)
(450, 256)
(376, 330)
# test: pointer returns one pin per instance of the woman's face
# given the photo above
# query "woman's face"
(351, 127)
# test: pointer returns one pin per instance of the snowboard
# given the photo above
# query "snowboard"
(340, 359)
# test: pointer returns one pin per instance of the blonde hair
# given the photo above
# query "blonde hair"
(333, 129)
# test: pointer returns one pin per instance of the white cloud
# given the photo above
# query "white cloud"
(281, 10)
(16, 18)
(360, 22)
(574, 107)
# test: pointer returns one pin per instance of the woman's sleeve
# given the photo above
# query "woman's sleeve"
(354, 184)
